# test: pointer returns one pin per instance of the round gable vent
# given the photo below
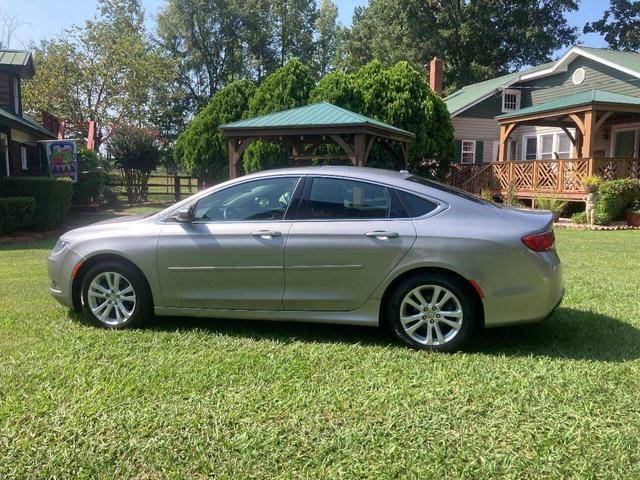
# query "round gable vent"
(578, 76)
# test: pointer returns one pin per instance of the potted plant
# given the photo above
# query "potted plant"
(633, 214)
(591, 183)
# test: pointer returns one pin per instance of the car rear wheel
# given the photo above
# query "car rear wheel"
(433, 312)
(115, 296)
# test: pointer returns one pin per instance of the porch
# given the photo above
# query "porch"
(561, 178)
(601, 128)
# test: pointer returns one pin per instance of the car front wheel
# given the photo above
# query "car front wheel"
(115, 296)
(433, 312)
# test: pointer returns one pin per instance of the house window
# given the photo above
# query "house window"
(512, 150)
(626, 143)
(530, 148)
(16, 95)
(510, 100)
(23, 158)
(468, 151)
(546, 146)
(4, 154)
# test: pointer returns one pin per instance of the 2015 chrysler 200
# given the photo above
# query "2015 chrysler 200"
(320, 244)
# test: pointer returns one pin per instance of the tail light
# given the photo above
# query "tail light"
(540, 242)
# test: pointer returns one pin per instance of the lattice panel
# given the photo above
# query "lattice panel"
(633, 168)
(547, 176)
(523, 175)
(608, 169)
(573, 174)
(501, 175)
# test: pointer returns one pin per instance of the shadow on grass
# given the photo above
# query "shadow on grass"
(568, 334)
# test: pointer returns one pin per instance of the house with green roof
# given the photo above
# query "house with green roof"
(581, 111)
(20, 153)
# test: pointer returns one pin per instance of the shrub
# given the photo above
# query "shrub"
(52, 196)
(615, 198)
(92, 178)
(15, 213)
(592, 182)
(556, 205)
(511, 198)
(579, 218)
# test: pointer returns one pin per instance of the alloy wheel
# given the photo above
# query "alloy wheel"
(431, 315)
(112, 298)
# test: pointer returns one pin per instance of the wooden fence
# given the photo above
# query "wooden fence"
(165, 188)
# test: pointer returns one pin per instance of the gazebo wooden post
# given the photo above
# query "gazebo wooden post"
(589, 133)
(236, 149)
(505, 131)
(360, 149)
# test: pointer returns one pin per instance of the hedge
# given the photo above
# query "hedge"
(53, 198)
(15, 213)
(616, 196)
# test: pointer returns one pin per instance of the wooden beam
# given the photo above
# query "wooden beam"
(571, 137)
(601, 121)
(345, 147)
(589, 133)
(236, 149)
(505, 130)
(578, 121)
(360, 148)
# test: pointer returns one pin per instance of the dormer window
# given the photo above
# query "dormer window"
(510, 100)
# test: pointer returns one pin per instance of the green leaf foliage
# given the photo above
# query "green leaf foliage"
(92, 178)
(202, 150)
(15, 213)
(52, 196)
(616, 196)
(288, 87)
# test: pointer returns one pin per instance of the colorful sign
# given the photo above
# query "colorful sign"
(63, 158)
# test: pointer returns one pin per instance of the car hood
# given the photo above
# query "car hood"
(120, 219)
(535, 220)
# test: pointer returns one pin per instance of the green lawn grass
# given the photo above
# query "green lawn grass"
(193, 398)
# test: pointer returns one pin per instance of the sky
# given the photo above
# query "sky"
(48, 18)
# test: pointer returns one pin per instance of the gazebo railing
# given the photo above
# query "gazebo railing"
(529, 178)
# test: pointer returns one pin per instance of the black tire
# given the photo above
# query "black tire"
(463, 294)
(142, 309)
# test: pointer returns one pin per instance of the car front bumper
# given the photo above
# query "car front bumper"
(60, 267)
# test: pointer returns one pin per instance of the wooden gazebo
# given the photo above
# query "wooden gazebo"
(304, 129)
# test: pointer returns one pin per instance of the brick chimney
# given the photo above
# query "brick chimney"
(436, 68)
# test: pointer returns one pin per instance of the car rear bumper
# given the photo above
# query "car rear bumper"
(60, 267)
(522, 288)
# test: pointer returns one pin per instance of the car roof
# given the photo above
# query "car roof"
(391, 177)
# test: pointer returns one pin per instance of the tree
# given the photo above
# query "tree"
(106, 70)
(619, 25)
(288, 87)
(294, 22)
(136, 154)
(478, 40)
(8, 25)
(202, 150)
(401, 97)
(327, 50)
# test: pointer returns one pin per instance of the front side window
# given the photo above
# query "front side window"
(468, 151)
(23, 158)
(336, 198)
(264, 199)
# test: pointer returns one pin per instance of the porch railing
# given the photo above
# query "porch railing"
(529, 178)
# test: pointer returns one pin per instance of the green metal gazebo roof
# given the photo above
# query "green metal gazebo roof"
(321, 114)
(588, 97)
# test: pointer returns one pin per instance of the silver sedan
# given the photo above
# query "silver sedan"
(320, 244)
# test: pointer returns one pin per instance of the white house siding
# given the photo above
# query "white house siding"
(486, 130)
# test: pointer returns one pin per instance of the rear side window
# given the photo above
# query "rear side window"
(414, 205)
(336, 198)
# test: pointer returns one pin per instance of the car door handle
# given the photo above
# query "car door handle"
(266, 234)
(381, 234)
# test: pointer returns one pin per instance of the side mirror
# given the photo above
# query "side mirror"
(184, 215)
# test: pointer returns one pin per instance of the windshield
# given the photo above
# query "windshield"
(450, 190)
